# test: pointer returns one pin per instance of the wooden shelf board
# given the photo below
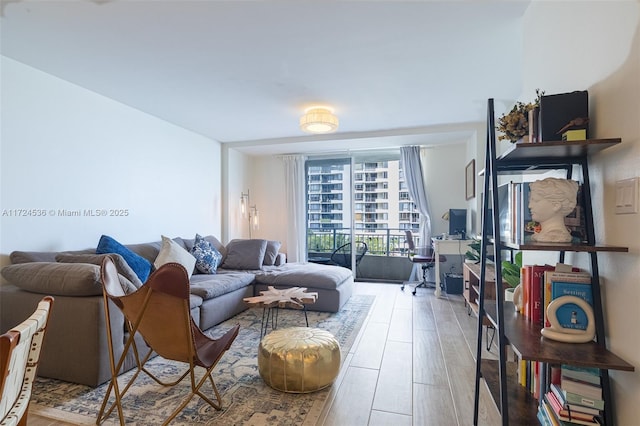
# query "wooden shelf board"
(542, 246)
(474, 308)
(557, 149)
(526, 340)
(475, 270)
(522, 405)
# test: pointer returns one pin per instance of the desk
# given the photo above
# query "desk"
(445, 247)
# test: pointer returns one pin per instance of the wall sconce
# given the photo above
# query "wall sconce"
(249, 212)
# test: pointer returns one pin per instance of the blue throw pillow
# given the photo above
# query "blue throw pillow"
(140, 265)
(207, 256)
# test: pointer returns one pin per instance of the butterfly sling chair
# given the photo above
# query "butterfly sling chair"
(19, 357)
(159, 311)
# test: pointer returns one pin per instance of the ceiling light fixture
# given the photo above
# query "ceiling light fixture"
(318, 120)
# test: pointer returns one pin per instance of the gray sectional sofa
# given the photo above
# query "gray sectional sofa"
(76, 348)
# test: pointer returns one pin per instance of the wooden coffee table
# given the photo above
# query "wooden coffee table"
(272, 299)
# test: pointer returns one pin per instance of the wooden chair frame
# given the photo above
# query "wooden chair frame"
(160, 312)
(20, 348)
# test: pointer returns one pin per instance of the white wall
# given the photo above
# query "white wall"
(444, 176)
(444, 166)
(236, 171)
(596, 46)
(269, 182)
(66, 148)
(476, 150)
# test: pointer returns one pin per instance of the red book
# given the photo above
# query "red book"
(556, 374)
(537, 292)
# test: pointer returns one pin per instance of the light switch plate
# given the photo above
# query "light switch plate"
(627, 196)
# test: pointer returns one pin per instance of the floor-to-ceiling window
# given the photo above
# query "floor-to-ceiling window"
(361, 199)
(329, 213)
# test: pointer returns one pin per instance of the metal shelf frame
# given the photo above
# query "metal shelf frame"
(526, 158)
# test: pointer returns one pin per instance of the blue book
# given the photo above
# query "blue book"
(583, 374)
(571, 315)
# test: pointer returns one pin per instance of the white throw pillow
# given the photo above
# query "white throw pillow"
(172, 252)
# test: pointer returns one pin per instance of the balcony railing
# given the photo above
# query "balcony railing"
(381, 242)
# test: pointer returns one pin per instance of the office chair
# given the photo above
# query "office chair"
(426, 259)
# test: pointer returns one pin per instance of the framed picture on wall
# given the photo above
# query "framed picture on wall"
(470, 180)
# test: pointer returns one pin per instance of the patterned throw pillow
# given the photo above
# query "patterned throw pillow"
(207, 256)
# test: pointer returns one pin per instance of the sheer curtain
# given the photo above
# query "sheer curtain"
(412, 166)
(296, 214)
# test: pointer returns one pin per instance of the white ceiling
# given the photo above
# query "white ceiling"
(242, 72)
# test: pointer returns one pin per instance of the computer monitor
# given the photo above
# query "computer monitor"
(458, 222)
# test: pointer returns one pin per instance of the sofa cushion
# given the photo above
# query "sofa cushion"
(96, 259)
(210, 286)
(140, 265)
(59, 279)
(147, 250)
(32, 256)
(271, 253)
(172, 252)
(207, 256)
(310, 275)
(42, 256)
(195, 301)
(245, 254)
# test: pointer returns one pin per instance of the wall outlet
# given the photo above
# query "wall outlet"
(627, 196)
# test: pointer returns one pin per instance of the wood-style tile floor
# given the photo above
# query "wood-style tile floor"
(412, 364)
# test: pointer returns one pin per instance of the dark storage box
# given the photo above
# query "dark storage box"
(453, 284)
(556, 111)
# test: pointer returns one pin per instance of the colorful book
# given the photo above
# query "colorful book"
(581, 388)
(557, 391)
(536, 296)
(582, 374)
(550, 276)
(522, 372)
(549, 412)
(571, 315)
(574, 398)
(556, 374)
(563, 415)
(542, 417)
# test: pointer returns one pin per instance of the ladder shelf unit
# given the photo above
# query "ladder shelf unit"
(513, 329)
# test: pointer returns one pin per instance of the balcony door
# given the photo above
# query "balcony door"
(358, 199)
(329, 210)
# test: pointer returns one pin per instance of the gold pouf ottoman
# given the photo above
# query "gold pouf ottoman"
(299, 359)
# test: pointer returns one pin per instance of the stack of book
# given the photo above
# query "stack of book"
(576, 400)
(543, 283)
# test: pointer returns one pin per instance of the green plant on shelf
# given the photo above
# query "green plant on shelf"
(474, 251)
(511, 270)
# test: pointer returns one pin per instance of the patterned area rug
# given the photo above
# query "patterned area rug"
(246, 399)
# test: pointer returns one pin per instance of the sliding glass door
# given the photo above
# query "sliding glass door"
(329, 210)
(361, 201)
